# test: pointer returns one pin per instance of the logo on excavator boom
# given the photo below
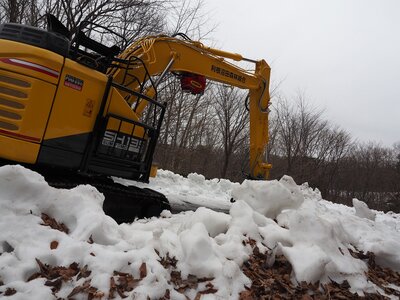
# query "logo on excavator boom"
(227, 73)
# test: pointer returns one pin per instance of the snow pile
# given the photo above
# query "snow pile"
(362, 210)
(316, 240)
(271, 197)
(187, 254)
(191, 192)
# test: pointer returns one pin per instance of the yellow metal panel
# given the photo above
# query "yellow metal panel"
(32, 61)
(18, 150)
(76, 105)
(25, 104)
(77, 101)
(259, 102)
(125, 127)
(153, 170)
(118, 106)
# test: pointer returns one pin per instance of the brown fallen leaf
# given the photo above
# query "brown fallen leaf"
(84, 273)
(79, 289)
(168, 261)
(209, 291)
(121, 283)
(51, 222)
(167, 294)
(204, 279)
(198, 296)
(113, 288)
(55, 284)
(34, 276)
(90, 240)
(245, 295)
(143, 270)
(59, 272)
(10, 292)
(53, 245)
(130, 283)
(67, 273)
(76, 290)
(94, 293)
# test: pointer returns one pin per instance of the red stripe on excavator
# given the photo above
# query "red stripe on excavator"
(25, 137)
(29, 65)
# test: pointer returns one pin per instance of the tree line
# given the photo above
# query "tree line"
(210, 134)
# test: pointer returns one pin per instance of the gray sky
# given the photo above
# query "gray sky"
(343, 54)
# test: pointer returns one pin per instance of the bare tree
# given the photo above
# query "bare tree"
(14, 11)
(129, 18)
(287, 127)
(369, 173)
(306, 146)
(189, 17)
(136, 21)
(232, 119)
(396, 150)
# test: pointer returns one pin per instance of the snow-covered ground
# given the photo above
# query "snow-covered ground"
(190, 253)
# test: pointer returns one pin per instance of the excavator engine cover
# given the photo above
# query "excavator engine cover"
(193, 83)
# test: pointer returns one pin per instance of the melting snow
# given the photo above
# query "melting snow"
(282, 217)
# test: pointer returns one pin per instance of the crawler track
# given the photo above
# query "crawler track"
(122, 203)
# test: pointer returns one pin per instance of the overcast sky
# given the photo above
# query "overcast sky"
(343, 54)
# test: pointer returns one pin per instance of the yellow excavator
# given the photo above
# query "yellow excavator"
(78, 111)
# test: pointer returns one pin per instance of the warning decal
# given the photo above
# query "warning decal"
(73, 82)
(88, 110)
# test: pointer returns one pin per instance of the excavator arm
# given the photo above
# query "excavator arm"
(159, 55)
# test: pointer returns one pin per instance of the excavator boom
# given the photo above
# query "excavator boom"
(161, 54)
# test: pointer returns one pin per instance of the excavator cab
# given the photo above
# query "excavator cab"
(99, 55)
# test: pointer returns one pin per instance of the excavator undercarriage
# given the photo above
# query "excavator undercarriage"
(123, 203)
